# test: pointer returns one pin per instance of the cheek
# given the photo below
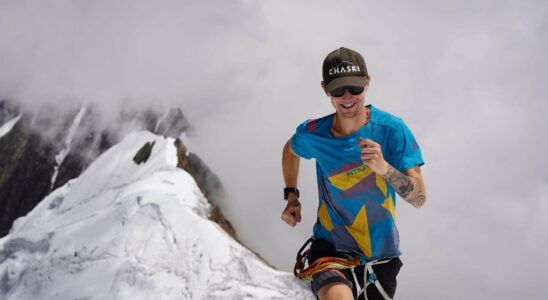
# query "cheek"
(334, 103)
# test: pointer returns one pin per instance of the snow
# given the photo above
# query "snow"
(4, 129)
(60, 157)
(128, 231)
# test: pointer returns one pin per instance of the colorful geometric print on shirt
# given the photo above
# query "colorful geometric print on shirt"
(356, 211)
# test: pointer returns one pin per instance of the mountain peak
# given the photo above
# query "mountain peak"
(123, 230)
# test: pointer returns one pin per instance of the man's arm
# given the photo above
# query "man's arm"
(290, 165)
(290, 168)
(410, 186)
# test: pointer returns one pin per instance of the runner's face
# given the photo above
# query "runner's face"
(348, 105)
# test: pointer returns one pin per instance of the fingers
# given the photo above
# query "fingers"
(369, 157)
(370, 152)
(367, 143)
(372, 156)
(289, 219)
(298, 214)
(292, 215)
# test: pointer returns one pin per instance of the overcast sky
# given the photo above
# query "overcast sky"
(468, 77)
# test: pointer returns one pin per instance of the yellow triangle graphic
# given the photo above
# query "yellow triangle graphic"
(325, 220)
(360, 232)
(388, 204)
(381, 184)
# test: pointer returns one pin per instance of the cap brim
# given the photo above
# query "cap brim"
(345, 81)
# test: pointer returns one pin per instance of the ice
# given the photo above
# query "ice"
(6, 127)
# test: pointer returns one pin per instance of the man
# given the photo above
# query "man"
(364, 156)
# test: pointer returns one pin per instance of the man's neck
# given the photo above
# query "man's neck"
(345, 126)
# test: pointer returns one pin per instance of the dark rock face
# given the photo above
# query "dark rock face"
(144, 153)
(30, 164)
(207, 181)
(25, 172)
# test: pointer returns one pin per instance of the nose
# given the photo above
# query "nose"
(346, 94)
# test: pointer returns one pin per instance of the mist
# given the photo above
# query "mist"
(468, 77)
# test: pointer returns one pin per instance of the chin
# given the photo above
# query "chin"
(349, 114)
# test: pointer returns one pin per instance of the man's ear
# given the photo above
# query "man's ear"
(367, 81)
(322, 83)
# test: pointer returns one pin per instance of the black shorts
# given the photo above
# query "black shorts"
(386, 273)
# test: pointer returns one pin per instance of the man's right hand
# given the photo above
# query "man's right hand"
(292, 212)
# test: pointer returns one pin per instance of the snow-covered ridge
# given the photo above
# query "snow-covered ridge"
(128, 231)
(60, 157)
(5, 128)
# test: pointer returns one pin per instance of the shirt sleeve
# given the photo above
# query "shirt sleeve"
(403, 148)
(300, 143)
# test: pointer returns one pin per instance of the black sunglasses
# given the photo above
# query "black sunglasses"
(354, 90)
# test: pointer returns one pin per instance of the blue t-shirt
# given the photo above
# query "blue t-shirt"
(356, 211)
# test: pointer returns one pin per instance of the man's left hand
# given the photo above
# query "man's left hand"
(371, 155)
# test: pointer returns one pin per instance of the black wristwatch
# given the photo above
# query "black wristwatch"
(288, 190)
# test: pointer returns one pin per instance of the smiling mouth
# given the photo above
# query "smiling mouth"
(348, 105)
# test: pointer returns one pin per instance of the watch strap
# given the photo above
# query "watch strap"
(288, 190)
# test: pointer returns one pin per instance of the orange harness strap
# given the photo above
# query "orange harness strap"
(323, 264)
(336, 263)
(319, 265)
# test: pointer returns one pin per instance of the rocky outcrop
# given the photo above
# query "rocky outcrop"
(25, 172)
(209, 184)
(143, 154)
(211, 187)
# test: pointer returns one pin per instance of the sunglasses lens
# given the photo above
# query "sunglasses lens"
(338, 92)
(354, 90)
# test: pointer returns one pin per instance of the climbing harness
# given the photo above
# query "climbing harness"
(337, 263)
(320, 264)
(369, 277)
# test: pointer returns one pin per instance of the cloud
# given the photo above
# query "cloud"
(102, 52)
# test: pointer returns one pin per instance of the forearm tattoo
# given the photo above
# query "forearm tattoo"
(407, 187)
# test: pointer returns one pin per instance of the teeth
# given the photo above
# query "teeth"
(348, 105)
